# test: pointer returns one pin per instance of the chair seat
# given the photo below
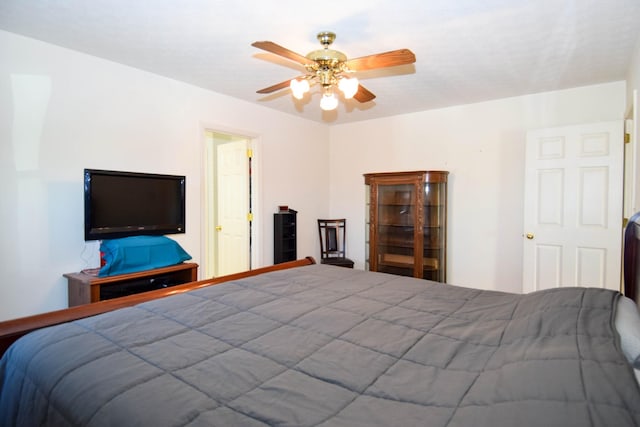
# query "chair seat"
(338, 261)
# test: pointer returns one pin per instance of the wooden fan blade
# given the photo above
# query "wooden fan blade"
(275, 87)
(278, 86)
(282, 51)
(363, 95)
(381, 60)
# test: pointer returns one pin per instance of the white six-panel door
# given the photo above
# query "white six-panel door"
(573, 207)
(232, 176)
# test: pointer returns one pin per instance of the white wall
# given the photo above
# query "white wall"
(633, 76)
(482, 145)
(63, 111)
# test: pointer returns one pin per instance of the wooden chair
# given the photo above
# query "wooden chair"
(332, 242)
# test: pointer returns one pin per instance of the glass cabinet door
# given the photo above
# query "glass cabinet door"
(396, 229)
(434, 231)
(367, 224)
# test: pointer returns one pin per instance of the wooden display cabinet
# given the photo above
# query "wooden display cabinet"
(406, 230)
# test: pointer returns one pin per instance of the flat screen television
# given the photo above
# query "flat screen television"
(122, 204)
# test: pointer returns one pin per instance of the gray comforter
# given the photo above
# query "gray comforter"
(329, 346)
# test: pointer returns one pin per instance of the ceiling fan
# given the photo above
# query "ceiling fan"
(330, 68)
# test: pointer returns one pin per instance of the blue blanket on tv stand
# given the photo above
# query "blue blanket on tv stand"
(139, 253)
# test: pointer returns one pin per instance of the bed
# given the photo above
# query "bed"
(302, 344)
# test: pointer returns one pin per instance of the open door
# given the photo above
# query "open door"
(228, 204)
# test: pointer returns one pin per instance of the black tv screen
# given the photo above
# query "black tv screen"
(121, 204)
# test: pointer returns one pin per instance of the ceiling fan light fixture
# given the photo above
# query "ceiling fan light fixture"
(299, 87)
(348, 86)
(328, 102)
(329, 68)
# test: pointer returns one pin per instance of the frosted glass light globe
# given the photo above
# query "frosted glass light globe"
(299, 88)
(328, 102)
(349, 87)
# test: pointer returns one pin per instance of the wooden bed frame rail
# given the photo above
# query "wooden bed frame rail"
(11, 330)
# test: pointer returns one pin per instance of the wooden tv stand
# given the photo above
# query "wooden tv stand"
(85, 288)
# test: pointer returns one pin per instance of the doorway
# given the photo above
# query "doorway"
(228, 203)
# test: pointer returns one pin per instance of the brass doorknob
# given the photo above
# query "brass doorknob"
(218, 228)
(530, 236)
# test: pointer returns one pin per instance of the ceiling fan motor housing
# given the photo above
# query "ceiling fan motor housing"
(328, 63)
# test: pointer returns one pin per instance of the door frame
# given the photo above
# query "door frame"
(206, 221)
(631, 160)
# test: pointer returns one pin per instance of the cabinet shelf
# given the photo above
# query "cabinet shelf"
(406, 223)
(396, 260)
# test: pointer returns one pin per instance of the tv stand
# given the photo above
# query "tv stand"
(85, 288)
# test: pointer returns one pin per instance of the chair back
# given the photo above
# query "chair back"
(332, 234)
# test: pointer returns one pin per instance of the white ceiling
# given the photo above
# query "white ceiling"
(467, 50)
